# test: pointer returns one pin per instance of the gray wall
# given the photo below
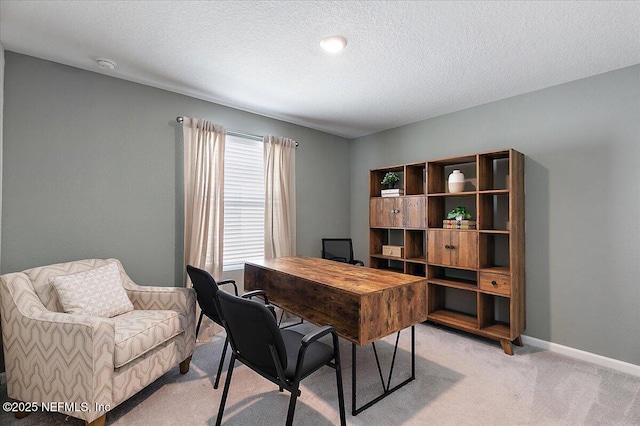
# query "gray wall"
(93, 168)
(582, 145)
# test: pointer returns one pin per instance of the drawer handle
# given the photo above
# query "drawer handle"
(494, 283)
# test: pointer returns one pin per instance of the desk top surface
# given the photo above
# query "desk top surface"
(353, 279)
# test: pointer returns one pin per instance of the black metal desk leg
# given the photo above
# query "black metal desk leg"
(353, 379)
(386, 389)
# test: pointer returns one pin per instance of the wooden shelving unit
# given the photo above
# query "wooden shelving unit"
(399, 220)
(475, 276)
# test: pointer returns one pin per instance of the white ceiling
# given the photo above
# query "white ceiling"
(405, 61)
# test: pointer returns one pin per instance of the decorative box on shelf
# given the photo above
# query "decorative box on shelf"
(458, 224)
(394, 192)
(393, 251)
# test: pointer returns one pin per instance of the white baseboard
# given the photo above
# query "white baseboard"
(603, 361)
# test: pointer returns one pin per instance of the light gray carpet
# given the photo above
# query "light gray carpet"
(460, 380)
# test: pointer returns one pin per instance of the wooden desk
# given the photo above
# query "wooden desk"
(363, 304)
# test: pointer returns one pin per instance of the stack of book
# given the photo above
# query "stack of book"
(458, 224)
(395, 192)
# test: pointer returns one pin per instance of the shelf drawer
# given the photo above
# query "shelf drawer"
(496, 283)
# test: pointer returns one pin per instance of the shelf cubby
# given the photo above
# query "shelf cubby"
(377, 238)
(493, 250)
(376, 176)
(494, 315)
(495, 211)
(415, 245)
(415, 178)
(439, 205)
(412, 268)
(382, 262)
(438, 172)
(493, 171)
(452, 305)
(450, 277)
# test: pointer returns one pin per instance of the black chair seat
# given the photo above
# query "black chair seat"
(318, 354)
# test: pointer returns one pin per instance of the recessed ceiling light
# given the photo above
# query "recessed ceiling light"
(105, 64)
(333, 44)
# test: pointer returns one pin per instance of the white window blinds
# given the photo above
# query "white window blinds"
(243, 201)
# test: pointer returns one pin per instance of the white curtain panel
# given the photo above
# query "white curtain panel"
(203, 202)
(280, 197)
(203, 194)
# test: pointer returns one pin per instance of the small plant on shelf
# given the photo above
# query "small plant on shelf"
(459, 213)
(391, 178)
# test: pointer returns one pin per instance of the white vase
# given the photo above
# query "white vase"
(456, 181)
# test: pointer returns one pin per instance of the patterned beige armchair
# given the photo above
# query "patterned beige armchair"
(91, 364)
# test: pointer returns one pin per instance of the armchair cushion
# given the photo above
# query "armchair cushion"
(96, 292)
(138, 332)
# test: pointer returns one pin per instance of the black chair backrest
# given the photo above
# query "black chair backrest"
(206, 289)
(337, 249)
(251, 329)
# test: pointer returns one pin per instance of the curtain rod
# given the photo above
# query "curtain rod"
(232, 132)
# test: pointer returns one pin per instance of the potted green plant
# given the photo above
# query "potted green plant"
(459, 213)
(390, 179)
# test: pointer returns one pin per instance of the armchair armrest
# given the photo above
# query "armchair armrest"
(161, 298)
(357, 262)
(49, 350)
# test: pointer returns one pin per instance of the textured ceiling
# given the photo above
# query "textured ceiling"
(405, 61)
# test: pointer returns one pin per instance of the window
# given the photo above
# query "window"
(243, 201)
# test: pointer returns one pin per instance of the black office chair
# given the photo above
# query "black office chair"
(206, 288)
(284, 357)
(339, 249)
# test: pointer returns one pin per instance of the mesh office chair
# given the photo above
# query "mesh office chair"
(284, 357)
(339, 249)
(206, 288)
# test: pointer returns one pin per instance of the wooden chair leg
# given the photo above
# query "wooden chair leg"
(184, 366)
(518, 341)
(97, 422)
